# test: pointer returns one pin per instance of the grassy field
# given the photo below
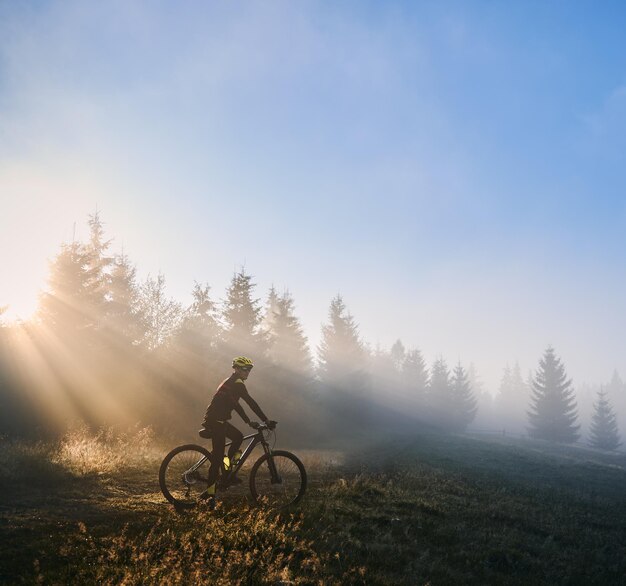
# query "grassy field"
(424, 509)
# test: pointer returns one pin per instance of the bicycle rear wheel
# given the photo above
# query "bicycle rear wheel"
(184, 475)
(278, 480)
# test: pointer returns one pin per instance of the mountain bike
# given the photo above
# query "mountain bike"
(277, 478)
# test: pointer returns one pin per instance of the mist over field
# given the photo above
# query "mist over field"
(409, 216)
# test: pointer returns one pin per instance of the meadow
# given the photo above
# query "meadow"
(412, 509)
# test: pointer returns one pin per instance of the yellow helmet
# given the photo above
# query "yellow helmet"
(242, 362)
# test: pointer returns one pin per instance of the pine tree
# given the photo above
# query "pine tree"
(440, 392)
(463, 407)
(269, 316)
(64, 309)
(616, 389)
(241, 316)
(290, 348)
(124, 317)
(194, 353)
(98, 266)
(484, 400)
(552, 414)
(341, 354)
(512, 399)
(415, 377)
(604, 430)
(397, 354)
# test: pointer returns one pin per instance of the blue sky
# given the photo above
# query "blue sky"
(455, 169)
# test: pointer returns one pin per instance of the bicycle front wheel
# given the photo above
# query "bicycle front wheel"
(184, 475)
(278, 480)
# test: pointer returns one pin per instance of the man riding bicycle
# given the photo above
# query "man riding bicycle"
(218, 413)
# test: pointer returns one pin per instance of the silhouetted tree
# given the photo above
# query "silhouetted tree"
(604, 431)
(616, 389)
(463, 407)
(269, 315)
(440, 392)
(64, 309)
(241, 316)
(289, 349)
(415, 377)
(512, 399)
(161, 315)
(341, 354)
(124, 316)
(552, 414)
(98, 267)
(397, 354)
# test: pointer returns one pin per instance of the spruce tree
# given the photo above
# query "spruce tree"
(398, 354)
(241, 317)
(415, 377)
(124, 317)
(98, 266)
(463, 406)
(616, 389)
(552, 415)
(341, 353)
(269, 316)
(604, 431)
(512, 399)
(440, 393)
(290, 350)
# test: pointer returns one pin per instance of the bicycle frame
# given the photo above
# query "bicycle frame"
(255, 439)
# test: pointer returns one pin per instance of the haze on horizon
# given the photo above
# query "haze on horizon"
(456, 171)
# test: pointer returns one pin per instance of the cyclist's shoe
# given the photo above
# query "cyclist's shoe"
(209, 501)
(227, 481)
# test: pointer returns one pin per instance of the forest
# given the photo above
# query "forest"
(107, 349)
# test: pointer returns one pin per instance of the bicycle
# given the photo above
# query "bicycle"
(277, 478)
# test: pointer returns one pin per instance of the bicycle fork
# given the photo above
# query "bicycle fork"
(274, 475)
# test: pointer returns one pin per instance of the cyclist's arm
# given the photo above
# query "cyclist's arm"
(242, 413)
(255, 407)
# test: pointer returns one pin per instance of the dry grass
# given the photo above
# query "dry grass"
(222, 547)
(433, 510)
(106, 451)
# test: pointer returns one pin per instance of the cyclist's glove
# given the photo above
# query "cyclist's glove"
(254, 424)
(271, 424)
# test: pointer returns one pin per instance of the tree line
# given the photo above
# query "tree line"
(105, 347)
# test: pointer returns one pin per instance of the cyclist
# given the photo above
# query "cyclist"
(218, 413)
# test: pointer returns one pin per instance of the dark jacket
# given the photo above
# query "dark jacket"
(227, 398)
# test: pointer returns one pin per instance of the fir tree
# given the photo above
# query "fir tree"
(124, 317)
(64, 309)
(552, 414)
(241, 316)
(440, 392)
(289, 349)
(616, 389)
(98, 267)
(604, 431)
(271, 309)
(463, 407)
(341, 354)
(398, 354)
(512, 398)
(415, 377)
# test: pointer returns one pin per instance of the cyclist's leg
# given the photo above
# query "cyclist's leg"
(219, 440)
(236, 438)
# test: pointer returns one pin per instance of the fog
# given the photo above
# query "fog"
(106, 347)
